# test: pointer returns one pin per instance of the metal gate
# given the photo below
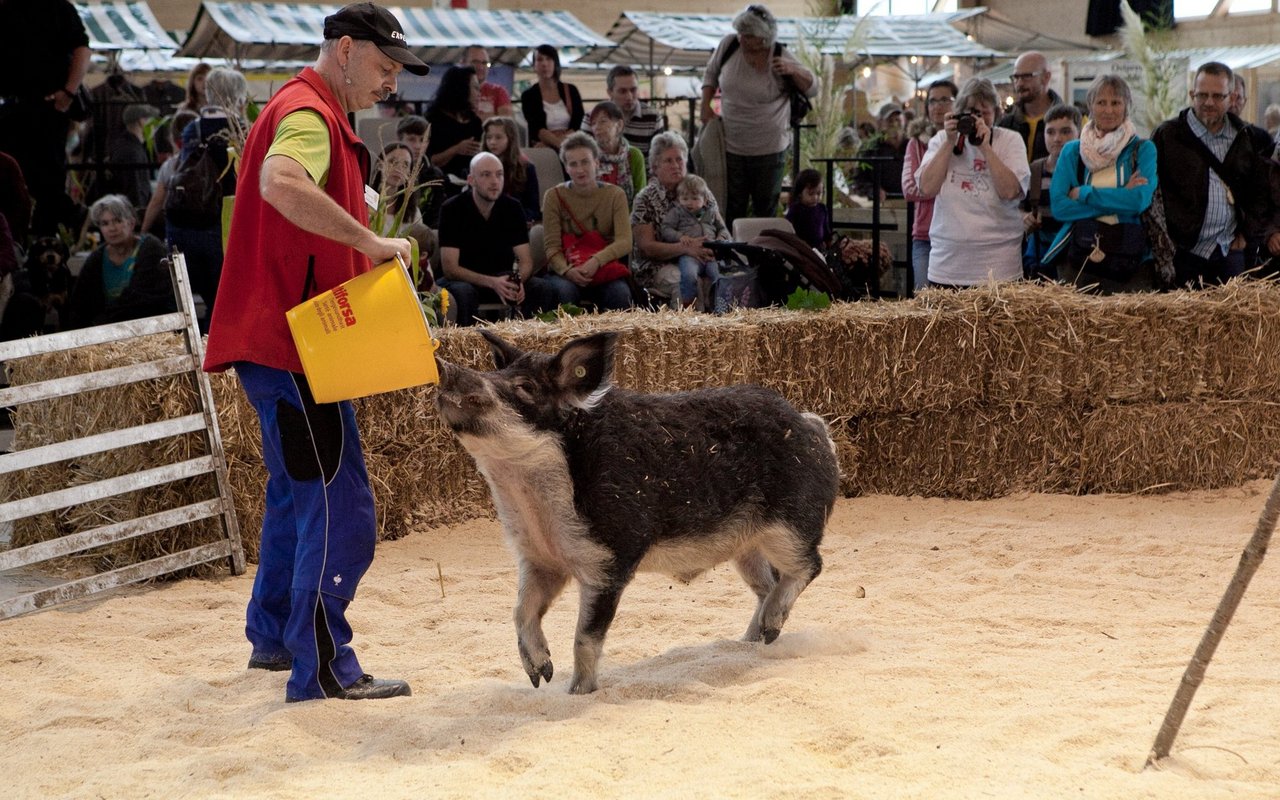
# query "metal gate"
(203, 418)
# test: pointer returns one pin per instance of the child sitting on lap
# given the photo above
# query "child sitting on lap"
(694, 216)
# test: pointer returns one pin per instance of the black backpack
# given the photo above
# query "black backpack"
(193, 193)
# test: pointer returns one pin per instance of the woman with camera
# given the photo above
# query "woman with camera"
(1103, 182)
(977, 175)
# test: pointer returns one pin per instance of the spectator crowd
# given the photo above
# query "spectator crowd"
(1040, 190)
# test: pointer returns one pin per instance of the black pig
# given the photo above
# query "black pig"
(594, 483)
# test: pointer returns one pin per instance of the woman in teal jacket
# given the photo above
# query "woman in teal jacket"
(1102, 184)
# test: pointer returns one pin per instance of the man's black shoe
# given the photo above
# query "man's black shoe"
(271, 663)
(368, 688)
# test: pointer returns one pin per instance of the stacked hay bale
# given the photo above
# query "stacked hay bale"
(957, 394)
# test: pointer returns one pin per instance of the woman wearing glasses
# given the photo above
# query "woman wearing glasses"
(1101, 185)
(937, 105)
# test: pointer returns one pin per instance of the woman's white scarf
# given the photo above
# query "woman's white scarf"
(1100, 150)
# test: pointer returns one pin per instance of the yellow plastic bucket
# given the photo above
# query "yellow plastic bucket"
(366, 336)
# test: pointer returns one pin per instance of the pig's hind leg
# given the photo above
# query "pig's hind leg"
(539, 587)
(795, 557)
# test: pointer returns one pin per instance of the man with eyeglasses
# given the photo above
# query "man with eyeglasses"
(1031, 84)
(640, 122)
(1235, 104)
(494, 100)
(1218, 189)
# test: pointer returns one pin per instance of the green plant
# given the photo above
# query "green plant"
(1148, 45)
(808, 300)
(828, 116)
(564, 309)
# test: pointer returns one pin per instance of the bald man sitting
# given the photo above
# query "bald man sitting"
(1031, 84)
(484, 246)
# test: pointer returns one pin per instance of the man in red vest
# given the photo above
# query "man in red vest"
(300, 227)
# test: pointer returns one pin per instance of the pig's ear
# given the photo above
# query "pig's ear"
(503, 351)
(584, 366)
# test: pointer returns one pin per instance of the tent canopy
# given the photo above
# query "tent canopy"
(115, 25)
(1236, 57)
(684, 41)
(293, 32)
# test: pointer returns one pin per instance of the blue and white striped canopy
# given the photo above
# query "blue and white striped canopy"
(658, 40)
(293, 32)
(122, 25)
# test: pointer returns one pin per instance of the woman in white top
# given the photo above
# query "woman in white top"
(552, 108)
(977, 175)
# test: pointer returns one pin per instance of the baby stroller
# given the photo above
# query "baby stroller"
(768, 269)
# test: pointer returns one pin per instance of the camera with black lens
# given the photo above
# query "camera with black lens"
(967, 125)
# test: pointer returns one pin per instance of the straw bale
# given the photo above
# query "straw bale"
(959, 394)
(1051, 344)
(973, 452)
(862, 358)
(1177, 446)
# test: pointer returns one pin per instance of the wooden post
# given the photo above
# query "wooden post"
(1250, 560)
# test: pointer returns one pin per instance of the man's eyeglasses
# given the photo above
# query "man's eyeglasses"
(479, 62)
(1202, 97)
(1026, 76)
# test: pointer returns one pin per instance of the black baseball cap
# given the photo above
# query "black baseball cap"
(370, 23)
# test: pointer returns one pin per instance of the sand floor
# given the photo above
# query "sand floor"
(1024, 647)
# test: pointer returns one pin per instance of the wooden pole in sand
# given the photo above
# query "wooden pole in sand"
(1250, 560)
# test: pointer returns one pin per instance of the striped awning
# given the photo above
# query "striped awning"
(123, 25)
(293, 32)
(683, 41)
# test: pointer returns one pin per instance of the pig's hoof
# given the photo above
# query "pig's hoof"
(542, 673)
(770, 634)
(537, 669)
(582, 686)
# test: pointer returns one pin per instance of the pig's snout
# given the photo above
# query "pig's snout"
(448, 372)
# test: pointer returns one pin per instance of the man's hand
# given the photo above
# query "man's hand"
(1273, 244)
(510, 291)
(380, 250)
(61, 100)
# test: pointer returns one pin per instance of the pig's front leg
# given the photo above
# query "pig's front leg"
(539, 587)
(597, 605)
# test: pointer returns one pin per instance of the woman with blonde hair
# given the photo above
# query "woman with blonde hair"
(1102, 183)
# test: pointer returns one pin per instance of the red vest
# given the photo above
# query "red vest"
(271, 265)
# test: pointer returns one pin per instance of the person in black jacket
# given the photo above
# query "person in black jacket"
(126, 277)
(1219, 191)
